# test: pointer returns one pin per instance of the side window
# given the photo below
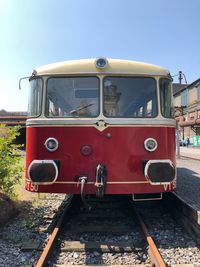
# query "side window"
(198, 92)
(166, 97)
(184, 98)
(35, 98)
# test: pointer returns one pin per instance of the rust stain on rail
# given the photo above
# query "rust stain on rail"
(44, 256)
(153, 252)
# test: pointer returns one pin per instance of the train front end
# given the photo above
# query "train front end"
(100, 127)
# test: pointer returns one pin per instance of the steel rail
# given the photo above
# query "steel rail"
(186, 157)
(45, 253)
(153, 252)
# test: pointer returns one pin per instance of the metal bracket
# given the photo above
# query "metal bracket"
(100, 183)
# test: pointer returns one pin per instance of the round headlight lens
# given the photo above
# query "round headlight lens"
(150, 144)
(51, 144)
(101, 63)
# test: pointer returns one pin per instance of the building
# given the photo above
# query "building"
(187, 109)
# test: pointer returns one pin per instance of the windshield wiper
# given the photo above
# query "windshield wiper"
(74, 112)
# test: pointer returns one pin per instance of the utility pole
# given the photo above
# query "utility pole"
(180, 77)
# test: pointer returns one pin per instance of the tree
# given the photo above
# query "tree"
(10, 169)
(3, 112)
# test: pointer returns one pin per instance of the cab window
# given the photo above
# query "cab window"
(166, 97)
(129, 97)
(72, 97)
(35, 98)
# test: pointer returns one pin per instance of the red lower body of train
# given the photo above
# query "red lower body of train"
(113, 160)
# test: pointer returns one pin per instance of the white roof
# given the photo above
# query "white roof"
(114, 66)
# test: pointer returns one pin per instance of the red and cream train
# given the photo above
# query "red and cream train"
(101, 126)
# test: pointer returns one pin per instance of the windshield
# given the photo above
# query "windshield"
(129, 97)
(72, 97)
(166, 97)
(35, 98)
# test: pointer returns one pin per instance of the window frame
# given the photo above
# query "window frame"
(70, 117)
(172, 105)
(132, 117)
(198, 91)
(41, 99)
(184, 97)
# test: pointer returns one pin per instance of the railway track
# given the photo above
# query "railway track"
(89, 232)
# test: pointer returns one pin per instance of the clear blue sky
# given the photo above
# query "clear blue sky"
(39, 32)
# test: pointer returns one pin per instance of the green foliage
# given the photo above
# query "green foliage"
(10, 169)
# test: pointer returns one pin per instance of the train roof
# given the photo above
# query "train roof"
(114, 66)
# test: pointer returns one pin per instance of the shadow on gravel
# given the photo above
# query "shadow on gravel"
(8, 209)
(166, 232)
(30, 215)
(188, 186)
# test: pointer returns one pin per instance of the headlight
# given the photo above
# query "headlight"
(51, 144)
(43, 171)
(150, 144)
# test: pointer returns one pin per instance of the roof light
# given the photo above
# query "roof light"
(101, 63)
(34, 72)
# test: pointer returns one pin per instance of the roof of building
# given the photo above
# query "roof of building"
(113, 66)
(12, 113)
(178, 88)
(194, 83)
